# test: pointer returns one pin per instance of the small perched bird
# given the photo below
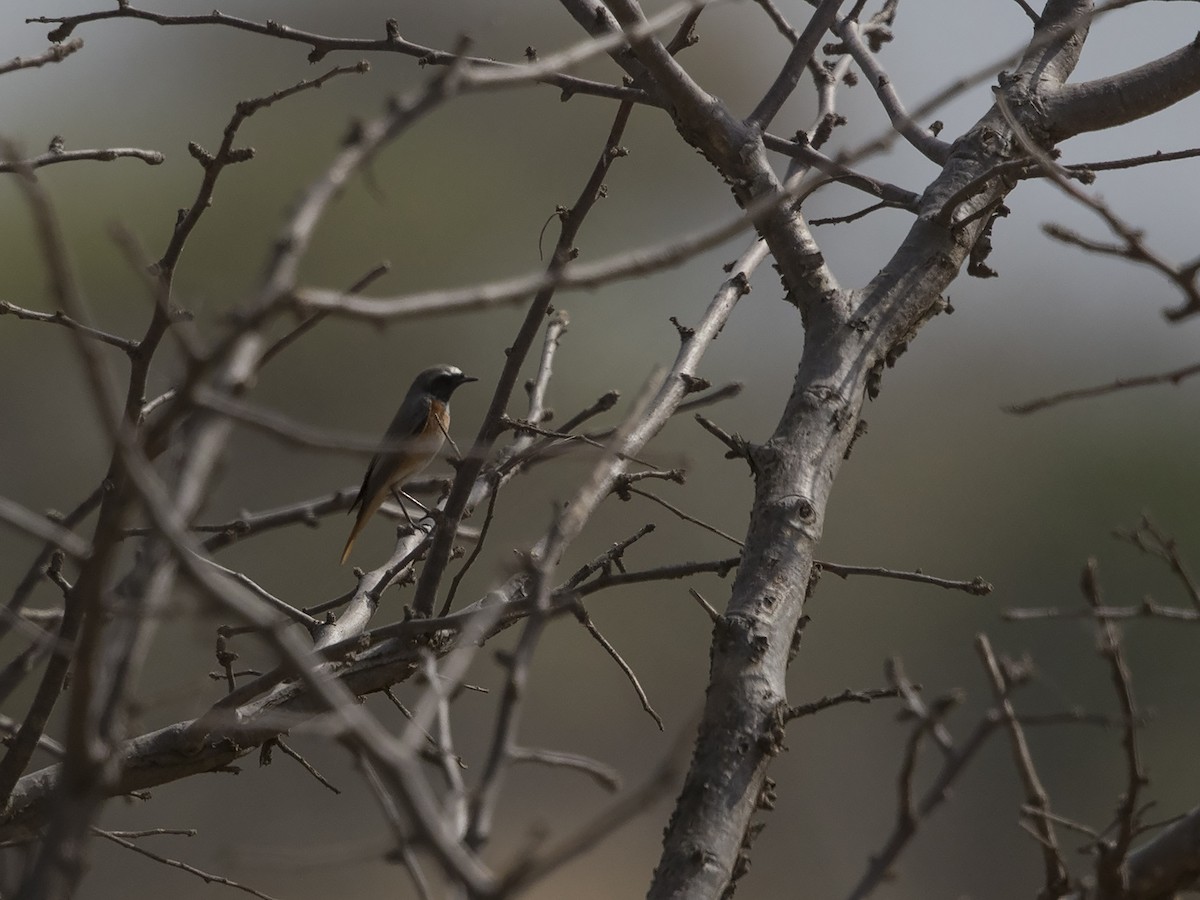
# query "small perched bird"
(412, 441)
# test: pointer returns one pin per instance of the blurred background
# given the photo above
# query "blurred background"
(945, 481)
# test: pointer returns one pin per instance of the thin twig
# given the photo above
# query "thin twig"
(782, 25)
(1069, 824)
(286, 609)
(716, 395)
(675, 510)
(1054, 867)
(977, 586)
(156, 832)
(922, 139)
(536, 389)
(488, 516)
(430, 740)
(1175, 376)
(306, 512)
(311, 322)
(207, 877)
(1148, 609)
(10, 727)
(108, 154)
(1075, 716)
(1111, 861)
(602, 405)
(485, 72)
(395, 821)
(226, 155)
(1030, 11)
(308, 767)
(1184, 277)
(660, 782)
(572, 275)
(803, 48)
(604, 775)
(586, 621)
(849, 217)
(613, 556)
(738, 446)
(909, 813)
(718, 567)
(519, 425)
(487, 795)
(1148, 538)
(34, 573)
(43, 529)
(708, 608)
(127, 345)
(455, 802)
(846, 696)
(461, 493)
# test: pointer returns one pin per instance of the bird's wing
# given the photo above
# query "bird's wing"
(362, 491)
(409, 426)
(403, 438)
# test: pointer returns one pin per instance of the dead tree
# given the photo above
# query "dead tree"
(166, 449)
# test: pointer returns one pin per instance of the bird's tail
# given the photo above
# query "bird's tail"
(359, 525)
(365, 511)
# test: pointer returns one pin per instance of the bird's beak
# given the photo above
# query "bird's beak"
(463, 379)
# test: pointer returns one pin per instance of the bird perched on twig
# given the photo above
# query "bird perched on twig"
(413, 439)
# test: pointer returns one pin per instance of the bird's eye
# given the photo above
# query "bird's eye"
(443, 383)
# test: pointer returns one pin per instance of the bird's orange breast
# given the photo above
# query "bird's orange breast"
(439, 418)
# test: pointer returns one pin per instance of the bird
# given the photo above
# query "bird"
(412, 440)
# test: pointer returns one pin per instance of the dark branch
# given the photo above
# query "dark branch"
(1173, 377)
(128, 345)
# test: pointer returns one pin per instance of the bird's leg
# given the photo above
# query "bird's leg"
(396, 492)
(425, 509)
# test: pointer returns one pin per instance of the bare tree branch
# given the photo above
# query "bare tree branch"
(60, 318)
(1054, 866)
(661, 781)
(109, 589)
(1149, 538)
(803, 48)
(796, 469)
(207, 877)
(1117, 99)
(586, 621)
(566, 275)
(56, 52)
(42, 528)
(976, 586)
(922, 139)
(34, 573)
(1173, 377)
(461, 493)
(1110, 863)
(57, 155)
(846, 696)
(909, 814)
(322, 45)
(604, 775)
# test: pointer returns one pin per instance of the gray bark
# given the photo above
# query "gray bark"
(850, 337)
